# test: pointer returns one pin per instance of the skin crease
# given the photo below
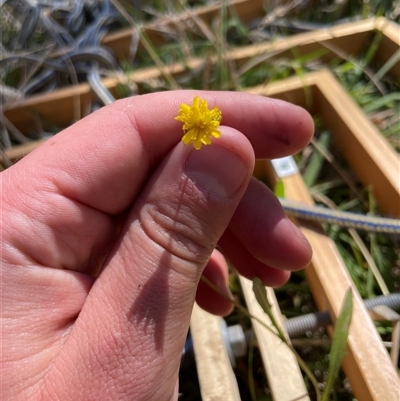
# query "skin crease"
(107, 228)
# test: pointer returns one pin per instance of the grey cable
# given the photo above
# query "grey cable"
(299, 325)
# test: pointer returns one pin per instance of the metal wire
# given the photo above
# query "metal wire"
(343, 219)
(299, 325)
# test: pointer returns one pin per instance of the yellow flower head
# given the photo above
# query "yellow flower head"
(199, 122)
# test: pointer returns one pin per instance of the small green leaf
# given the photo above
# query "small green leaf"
(339, 342)
(261, 295)
(317, 160)
(279, 190)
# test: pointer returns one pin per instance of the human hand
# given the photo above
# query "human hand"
(107, 228)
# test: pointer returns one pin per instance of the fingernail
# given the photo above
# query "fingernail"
(215, 170)
(299, 234)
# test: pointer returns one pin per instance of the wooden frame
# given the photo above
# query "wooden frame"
(366, 151)
(67, 105)
(369, 369)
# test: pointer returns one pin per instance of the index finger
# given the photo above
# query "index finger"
(103, 160)
(274, 127)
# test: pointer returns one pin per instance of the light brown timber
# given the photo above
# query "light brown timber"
(216, 378)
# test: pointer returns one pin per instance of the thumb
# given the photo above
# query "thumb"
(128, 338)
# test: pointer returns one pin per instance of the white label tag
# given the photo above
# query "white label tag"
(285, 166)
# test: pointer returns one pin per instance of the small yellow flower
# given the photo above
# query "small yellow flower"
(199, 122)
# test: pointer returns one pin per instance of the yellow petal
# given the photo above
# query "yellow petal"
(199, 123)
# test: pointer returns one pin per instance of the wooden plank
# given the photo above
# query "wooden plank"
(214, 370)
(349, 38)
(60, 108)
(283, 373)
(364, 148)
(63, 106)
(17, 152)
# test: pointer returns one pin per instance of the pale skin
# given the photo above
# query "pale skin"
(107, 228)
